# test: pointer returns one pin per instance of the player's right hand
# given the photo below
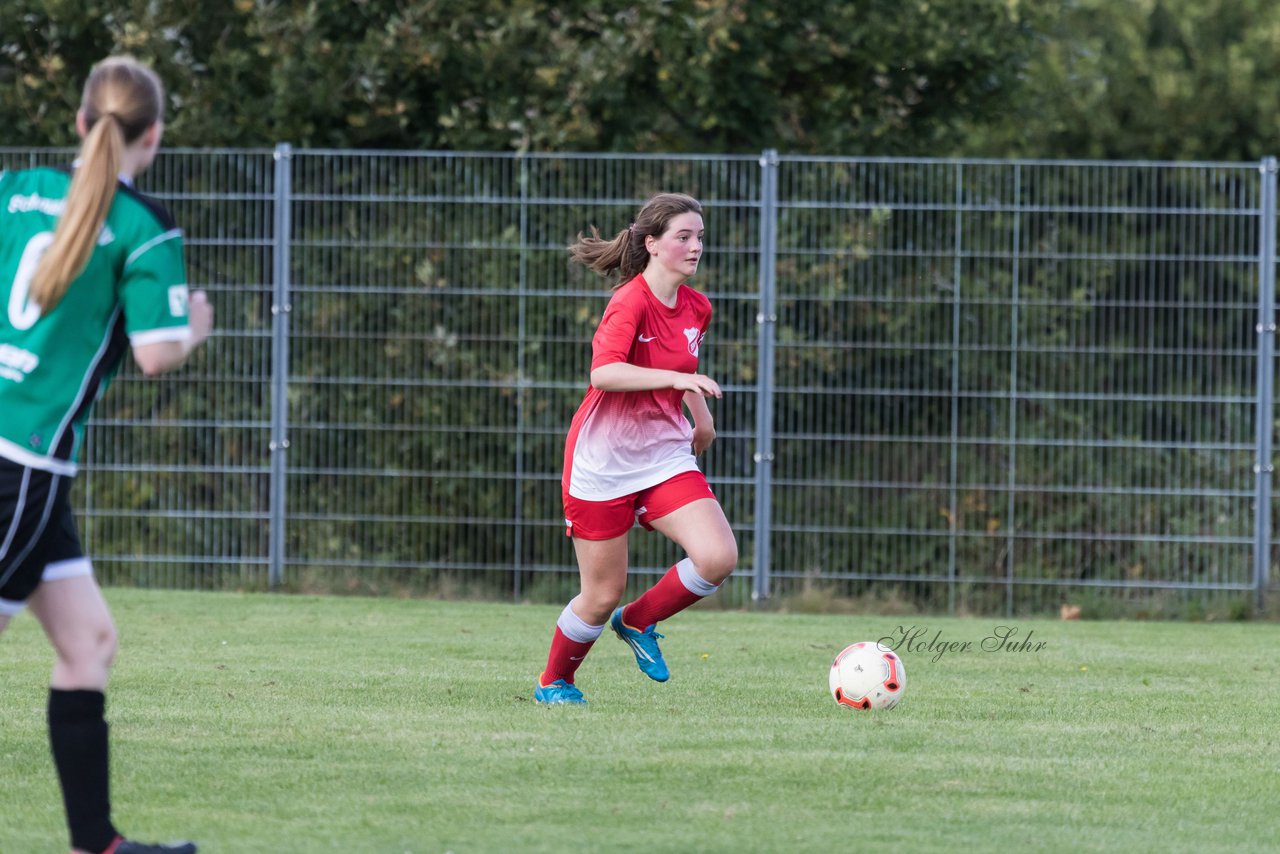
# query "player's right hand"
(199, 316)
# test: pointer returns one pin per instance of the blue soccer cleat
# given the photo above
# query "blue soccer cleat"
(645, 645)
(557, 693)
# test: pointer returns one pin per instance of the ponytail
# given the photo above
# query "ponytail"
(122, 99)
(625, 253)
(93, 187)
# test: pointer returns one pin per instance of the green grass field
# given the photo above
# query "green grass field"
(260, 723)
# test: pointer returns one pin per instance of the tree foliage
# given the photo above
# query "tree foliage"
(1165, 79)
(874, 76)
(1149, 79)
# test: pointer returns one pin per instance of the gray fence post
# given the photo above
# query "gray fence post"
(280, 308)
(766, 322)
(1015, 341)
(1266, 329)
(953, 463)
(522, 382)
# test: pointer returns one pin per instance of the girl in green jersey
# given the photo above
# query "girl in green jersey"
(89, 268)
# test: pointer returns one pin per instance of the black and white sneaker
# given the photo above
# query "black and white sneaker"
(128, 846)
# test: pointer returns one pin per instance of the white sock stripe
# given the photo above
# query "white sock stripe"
(73, 568)
(693, 582)
(9, 608)
(577, 629)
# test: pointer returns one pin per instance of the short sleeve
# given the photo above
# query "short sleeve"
(616, 333)
(153, 291)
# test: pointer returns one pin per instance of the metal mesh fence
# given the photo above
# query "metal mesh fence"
(996, 378)
(984, 385)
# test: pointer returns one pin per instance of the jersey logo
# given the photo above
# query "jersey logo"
(178, 300)
(644, 340)
(694, 338)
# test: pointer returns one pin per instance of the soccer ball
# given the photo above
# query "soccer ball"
(867, 675)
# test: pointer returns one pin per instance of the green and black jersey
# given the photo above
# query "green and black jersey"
(54, 366)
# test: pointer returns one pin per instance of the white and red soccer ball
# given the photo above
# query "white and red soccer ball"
(868, 676)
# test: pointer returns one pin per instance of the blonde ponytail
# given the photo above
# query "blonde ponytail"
(93, 187)
(122, 99)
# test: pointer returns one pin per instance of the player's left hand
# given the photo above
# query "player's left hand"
(703, 436)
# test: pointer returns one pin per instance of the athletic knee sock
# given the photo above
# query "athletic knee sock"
(679, 588)
(570, 642)
(78, 737)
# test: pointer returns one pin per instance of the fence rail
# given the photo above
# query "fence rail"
(988, 385)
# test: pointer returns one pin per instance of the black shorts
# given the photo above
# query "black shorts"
(38, 539)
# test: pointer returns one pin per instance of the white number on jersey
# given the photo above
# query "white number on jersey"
(24, 314)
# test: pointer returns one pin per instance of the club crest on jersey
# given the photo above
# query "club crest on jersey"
(694, 337)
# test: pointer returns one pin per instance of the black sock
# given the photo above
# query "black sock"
(78, 736)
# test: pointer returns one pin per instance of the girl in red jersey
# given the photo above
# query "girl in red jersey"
(631, 453)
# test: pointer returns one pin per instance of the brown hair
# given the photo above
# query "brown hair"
(626, 252)
(122, 98)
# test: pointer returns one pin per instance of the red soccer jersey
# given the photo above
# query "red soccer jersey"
(621, 442)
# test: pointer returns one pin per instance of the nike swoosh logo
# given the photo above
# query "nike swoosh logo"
(644, 340)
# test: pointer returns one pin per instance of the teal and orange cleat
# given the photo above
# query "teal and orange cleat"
(645, 645)
(558, 692)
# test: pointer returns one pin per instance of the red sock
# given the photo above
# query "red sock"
(564, 658)
(664, 599)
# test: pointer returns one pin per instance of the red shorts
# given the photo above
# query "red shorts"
(604, 520)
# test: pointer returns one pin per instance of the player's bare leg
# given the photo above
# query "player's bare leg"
(602, 567)
(78, 624)
(701, 529)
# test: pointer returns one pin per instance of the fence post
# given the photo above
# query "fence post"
(1266, 329)
(766, 322)
(1015, 339)
(953, 464)
(522, 382)
(280, 308)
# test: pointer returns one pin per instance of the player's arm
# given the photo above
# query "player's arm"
(610, 370)
(704, 426)
(161, 356)
(624, 376)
